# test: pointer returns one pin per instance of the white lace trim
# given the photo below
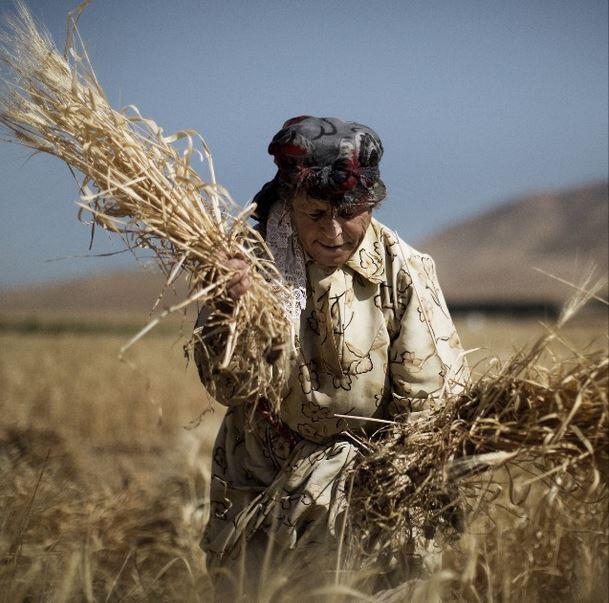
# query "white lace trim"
(289, 259)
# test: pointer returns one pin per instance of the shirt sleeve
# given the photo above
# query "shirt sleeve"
(226, 386)
(426, 360)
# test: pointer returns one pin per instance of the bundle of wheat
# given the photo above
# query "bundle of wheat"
(554, 421)
(138, 184)
(521, 426)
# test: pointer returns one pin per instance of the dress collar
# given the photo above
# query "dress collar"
(369, 258)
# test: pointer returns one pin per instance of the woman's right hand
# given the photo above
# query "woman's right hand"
(242, 281)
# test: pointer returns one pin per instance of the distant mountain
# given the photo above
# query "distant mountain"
(491, 258)
(487, 259)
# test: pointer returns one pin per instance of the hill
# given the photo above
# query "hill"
(124, 296)
(490, 259)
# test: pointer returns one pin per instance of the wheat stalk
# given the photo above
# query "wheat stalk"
(429, 476)
(137, 184)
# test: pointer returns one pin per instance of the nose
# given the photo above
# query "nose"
(331, 228)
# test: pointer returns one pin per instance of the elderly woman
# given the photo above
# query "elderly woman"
(375, 339)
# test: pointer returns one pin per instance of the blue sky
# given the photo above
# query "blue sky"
(476, 101)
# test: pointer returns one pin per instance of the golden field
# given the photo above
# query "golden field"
(104, 463)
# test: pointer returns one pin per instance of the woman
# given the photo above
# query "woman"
(375, 339)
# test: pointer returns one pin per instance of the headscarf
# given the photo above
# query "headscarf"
(328, 158)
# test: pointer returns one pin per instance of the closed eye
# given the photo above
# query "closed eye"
(318, 215)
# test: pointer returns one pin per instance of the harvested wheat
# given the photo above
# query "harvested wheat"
(137, 184)
(548, 428)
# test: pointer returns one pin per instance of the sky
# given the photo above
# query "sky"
(476, 101)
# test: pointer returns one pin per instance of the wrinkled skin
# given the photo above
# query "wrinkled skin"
(328, 236)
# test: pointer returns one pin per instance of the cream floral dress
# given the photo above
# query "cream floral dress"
(375, 340)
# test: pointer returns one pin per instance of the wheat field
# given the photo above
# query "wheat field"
(104, 468)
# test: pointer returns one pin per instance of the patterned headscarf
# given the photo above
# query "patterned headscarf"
(330, 159)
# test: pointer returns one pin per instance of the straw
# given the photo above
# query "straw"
(138, 184)
(427, 473)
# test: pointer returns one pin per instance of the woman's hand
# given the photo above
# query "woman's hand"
(242, 281)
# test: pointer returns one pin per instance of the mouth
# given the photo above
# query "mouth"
(331, 247)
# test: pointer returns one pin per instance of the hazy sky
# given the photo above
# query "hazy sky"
(476, 101)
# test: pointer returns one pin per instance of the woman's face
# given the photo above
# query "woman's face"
(330, 237)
